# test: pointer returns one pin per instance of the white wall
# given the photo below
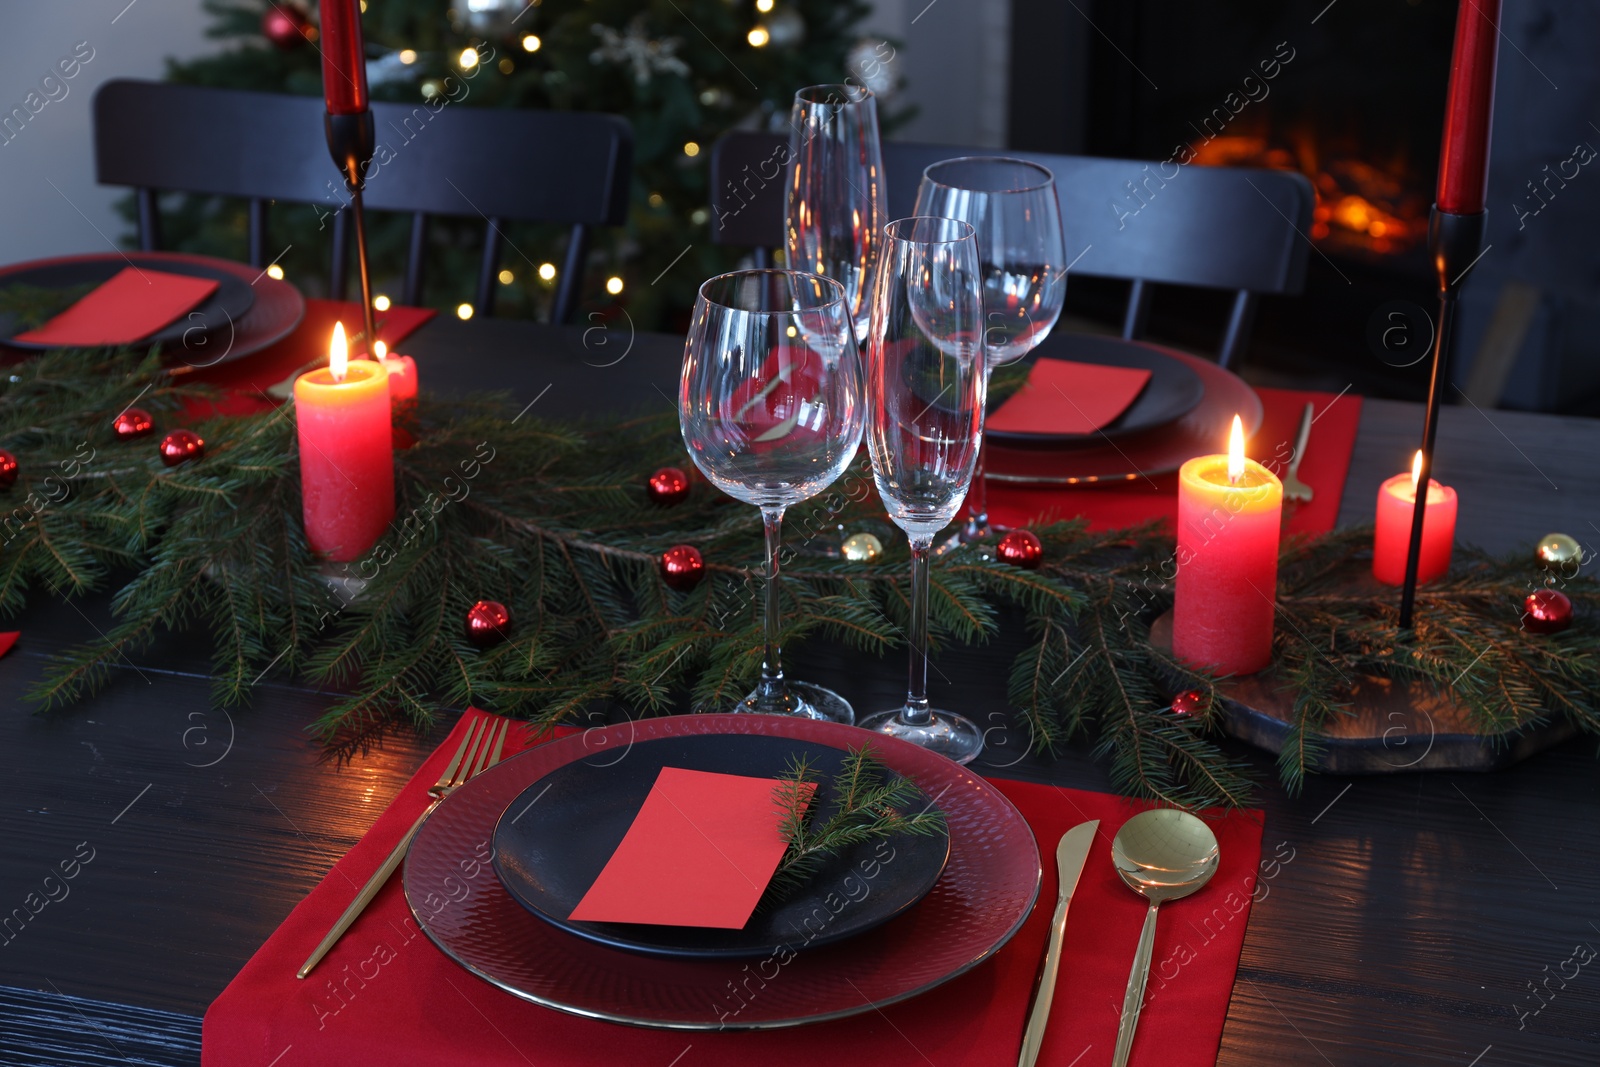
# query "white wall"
(954, 57)
(49, 202)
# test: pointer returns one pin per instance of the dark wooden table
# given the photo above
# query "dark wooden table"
(1410, 919)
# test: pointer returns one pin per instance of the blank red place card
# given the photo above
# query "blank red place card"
(699, 853)
(1063, 396)
(133, 304)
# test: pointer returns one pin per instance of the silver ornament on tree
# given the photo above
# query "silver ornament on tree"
(637, 49)
(869, 64)
(785, 28)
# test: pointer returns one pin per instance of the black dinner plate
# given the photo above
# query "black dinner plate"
(1172, 392)
(553, 840)
(230, 302)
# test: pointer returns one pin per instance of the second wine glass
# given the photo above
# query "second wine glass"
(926, 382)
(769, 403)
(1012, 207)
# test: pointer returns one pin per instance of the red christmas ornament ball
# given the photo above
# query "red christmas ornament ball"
(488, 623)
(134, 422)
(1021, 549)
(1546, 611)
(1189, 703)
(180, 445)
(668, 486)
(682, 567)
(287, 26)
(8, 469)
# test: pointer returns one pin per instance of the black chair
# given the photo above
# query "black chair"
(1223, 228)
(499, 164)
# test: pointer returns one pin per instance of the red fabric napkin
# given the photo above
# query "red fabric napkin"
(385, 994)
(699, 853)
(133, 304)
(1110, 505)
(246, 381)
(1065, 396)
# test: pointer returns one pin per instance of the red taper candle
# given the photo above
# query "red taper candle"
(344, 61)
(1464, 156)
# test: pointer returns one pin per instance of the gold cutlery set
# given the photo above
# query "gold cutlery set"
(1162, 854)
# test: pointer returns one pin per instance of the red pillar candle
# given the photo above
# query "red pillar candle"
(346, 453)
(1229, 510)
(344, 60)
(1464, 156)
(1397, 500)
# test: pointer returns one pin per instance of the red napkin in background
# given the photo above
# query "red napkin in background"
(1110, 505)
(246, 381)
(130, 306)
(699, 853)
(1064, 396)
(7, 640)
(386, 994)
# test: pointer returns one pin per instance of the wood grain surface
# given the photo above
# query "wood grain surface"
(1406, 920)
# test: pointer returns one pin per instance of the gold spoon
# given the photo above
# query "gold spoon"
(1163, 854)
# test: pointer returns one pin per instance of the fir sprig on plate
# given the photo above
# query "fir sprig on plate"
(871, 801)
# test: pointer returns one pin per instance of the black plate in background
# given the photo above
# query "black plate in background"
(553, 840)
(1172, 392)
(230, 302)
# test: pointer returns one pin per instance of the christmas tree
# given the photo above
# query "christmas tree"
(681, 71)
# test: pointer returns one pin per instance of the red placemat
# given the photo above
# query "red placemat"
(386, 994)
(1111, 505)
(247, 380)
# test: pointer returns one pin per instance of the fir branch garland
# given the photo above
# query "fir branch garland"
(553, 519)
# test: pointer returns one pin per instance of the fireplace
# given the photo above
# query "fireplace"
(1354, 100)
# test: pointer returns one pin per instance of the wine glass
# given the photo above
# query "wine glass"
(926, 382)
(833, 224)
(770, 406)
(1012, 205)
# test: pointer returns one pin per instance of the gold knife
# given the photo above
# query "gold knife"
(1071, 854)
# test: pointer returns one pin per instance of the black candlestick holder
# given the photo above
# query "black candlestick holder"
(351, 141)
(1454, 242)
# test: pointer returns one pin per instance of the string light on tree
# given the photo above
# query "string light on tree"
(758, 37)
(380, 302)
(531, 42)
(614, 285)
(463, 312)
(547, 272)
(468, 58)
(275, 272)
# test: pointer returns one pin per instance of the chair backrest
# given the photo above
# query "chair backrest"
(1238, 229)
(432, 159)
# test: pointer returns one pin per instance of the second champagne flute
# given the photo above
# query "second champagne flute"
(926, 382)
(770, 407)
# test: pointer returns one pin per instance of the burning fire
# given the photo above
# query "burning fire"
(1359, 206)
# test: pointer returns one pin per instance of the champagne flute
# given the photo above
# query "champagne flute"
(1012, 205)
(834, 220)
(770, 406)
(927, 378)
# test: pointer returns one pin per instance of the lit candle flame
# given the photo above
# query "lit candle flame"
(1236, 451)
(380, 349)
(338, 353)
(1416, 471)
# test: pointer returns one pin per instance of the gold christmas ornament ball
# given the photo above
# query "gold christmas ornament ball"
(1560, 552)
(862, 548)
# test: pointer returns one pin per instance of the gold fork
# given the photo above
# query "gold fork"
(479, 750)
(1293, 487)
